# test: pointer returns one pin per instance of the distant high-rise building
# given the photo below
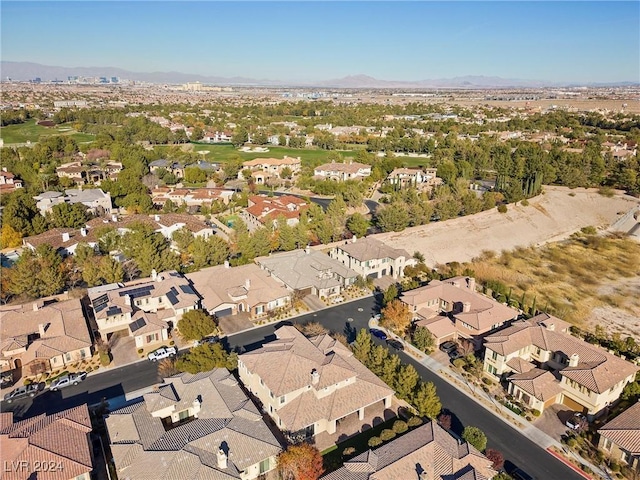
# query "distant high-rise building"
(115, 80)
(36, 80)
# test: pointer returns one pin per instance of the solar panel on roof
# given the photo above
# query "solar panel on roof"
(187, 289)
(172, 295)
(113, 310)
(138, 292)
(137, 325)
(100, 303)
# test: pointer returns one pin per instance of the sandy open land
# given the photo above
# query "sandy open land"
(549, 217)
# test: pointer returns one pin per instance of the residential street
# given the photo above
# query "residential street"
(349, 317)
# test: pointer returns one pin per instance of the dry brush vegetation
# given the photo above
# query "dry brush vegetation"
(568, 279)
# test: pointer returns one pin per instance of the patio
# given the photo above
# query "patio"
(350, 425)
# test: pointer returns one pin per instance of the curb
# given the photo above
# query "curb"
(569, 464)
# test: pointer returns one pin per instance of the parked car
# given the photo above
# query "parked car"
(449, 347)
(66, 380)
(395, 344)
(162, 352)
(519, 474)
(577, 421)
(30, 390)
(378, 333)
(456, 354)
(197, 343)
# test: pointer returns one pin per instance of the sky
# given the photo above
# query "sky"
(305, 41)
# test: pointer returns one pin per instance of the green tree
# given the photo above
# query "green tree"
(393, 217)
(195, 325)
(358, 224)
(195, 175)
(362, 346)
(377, 359)
(406, 381)
(149, 249)
(206, 357)
(426, 400)
(37, 274)
(390, 294)
(10, 238)
(424, 339)
(390, 370)
(475, 437)
(240, 137)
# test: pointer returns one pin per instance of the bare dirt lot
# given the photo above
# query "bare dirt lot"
(549, 217)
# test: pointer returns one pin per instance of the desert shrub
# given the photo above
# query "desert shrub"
(572, 442)
(399, 426)
(89, 369)
(524, 202)
(374, 442)
(387, 434)
(536, 413)
(589, 230)
(105, 358)
(606, 191)
(27, 381)
(459, 362)
(140, 350)
(502, 208)
(414, 421)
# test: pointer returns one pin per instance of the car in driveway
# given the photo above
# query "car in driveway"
(378, 333)
(30, 390)
(162, 352)
(456, 354)
(395, 344)
(449, 347)
(67, 380)
(577, 421)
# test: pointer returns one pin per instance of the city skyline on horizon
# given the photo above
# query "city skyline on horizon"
(552, 42)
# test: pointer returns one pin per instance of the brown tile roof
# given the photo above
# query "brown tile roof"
(285, 365)
(271, 161)
(54, 237)
(270, 208)
(597, 369)
(539, 383)
(143, 449)
(484, 312)
(352, 167)
(61, 438)
(65, 327)
(624, 430)
(519, 365)
(437, 453)
(218, 284)
(369, 248)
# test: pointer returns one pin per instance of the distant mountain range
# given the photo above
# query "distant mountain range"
(23, 71)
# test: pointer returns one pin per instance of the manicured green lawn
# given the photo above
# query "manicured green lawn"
(223, 153)
(31, 132)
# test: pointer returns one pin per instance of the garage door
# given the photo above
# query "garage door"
(224, 312)
(572, 404)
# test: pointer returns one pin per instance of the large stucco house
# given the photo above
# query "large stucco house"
(544, 364)
(199, 426)
(307, 385)
(452, 309)
(372, 258)
(620, 437)
(143, 309)
(39, 337)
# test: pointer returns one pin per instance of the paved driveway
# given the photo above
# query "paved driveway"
(552, 420)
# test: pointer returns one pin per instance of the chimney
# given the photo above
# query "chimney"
(154, 275)
(226, 264)
(37, 305)
(65, 237)
(423, 475)
(114, 218)
(157, 218)
(471, 283)
(247, 284)
(127, 300)
(315, 377)
(353, 239)
(83, 231)
(307, 250)
(456, 283)
(42, 328)
(222, 459)
(466, 307)
(573, 360)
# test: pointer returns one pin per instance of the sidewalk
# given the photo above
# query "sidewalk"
(484, 399)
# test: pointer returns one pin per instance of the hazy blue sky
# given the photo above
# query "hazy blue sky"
(552, 41)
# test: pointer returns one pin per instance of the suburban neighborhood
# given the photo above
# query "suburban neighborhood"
(212, 277)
